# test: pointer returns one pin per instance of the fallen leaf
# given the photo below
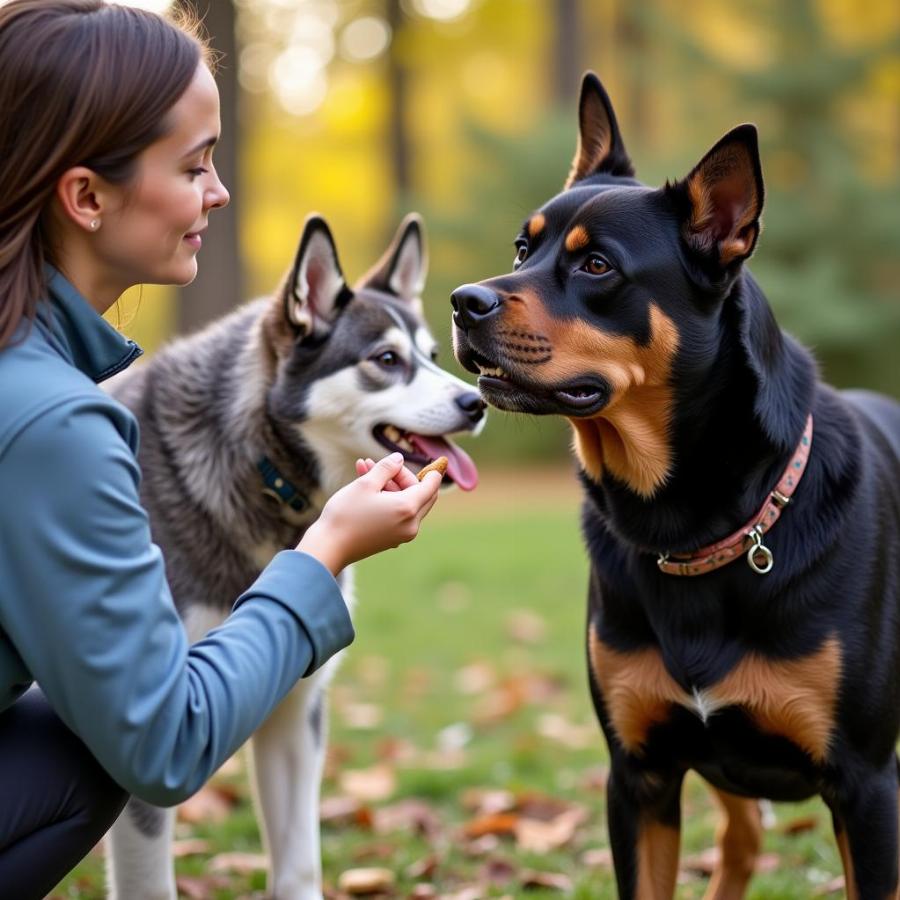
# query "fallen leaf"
(241, 863)
(411, 815)
(495, 823)
(366, 881)
(210, 804)
(553, 880)
(597, 858)
(835, 886)
(423, 892)
(800, 825)
(487, 800)
(200, 887)
(542, 837)
(423, 868)
(559, 729)
(362, 716)
(497, 872)
(526, 627)
(475, 678)
(705, 863)
(376, 851)
(375, 783)
(190, 847)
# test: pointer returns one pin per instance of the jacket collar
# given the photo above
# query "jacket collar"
(80, 333)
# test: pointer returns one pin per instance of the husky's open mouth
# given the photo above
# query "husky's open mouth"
(421, 449)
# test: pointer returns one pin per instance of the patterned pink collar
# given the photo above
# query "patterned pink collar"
(747, 540)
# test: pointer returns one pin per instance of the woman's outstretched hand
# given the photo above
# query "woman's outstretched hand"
(381, 509)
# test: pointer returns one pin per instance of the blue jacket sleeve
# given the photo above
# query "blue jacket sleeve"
(85, 602)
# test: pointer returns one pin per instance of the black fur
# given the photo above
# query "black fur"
(741, 392)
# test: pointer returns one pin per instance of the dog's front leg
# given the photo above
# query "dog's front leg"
(288, 756)
(644, 816)
(864, 808)
(139, 856)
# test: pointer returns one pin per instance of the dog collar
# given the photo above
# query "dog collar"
(748, 539)
(276, 486)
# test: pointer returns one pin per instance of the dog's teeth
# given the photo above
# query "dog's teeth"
(393, 434)
(496, 372)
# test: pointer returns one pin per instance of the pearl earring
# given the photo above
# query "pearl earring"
(95, 224)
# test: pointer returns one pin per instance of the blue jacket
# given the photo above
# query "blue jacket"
(85, 610)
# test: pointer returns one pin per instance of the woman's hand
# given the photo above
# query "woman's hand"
(379, 510)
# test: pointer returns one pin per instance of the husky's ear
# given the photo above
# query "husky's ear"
(402, 269)
(315, 292)
(600, 145)
(722, 199)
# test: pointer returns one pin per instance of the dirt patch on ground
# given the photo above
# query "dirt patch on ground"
(505, 490)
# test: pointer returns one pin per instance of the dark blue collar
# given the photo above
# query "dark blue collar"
(279, 488)
(80, 333)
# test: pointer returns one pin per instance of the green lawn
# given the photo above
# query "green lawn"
(466, 692)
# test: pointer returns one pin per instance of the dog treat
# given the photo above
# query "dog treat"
(437, 465)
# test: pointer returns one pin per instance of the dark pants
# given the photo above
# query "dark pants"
(55, 800)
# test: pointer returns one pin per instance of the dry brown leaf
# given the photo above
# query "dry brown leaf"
(482, 846)
(535, 805)
(552, 880)
(241, 863)
(597, 858)
(210, 804)
(497, 872)
(423, 891)
(487, 800)
(835, 886)
(560, 729)
(495, 823)
(200, 887)
(423, 868)
(475, 678)
(704, 863)
(190, 847)
(526, 627)
(542, 837)
(377, 851)
(412, 815)
(362, 716)
(800, 825)
(467, 893)
(366, 881)
(375, 783)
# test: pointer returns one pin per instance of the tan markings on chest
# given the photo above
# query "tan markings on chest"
(794, 699)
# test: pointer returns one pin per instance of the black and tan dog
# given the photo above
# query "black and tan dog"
(764, 655)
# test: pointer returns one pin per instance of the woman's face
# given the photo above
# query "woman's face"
(153, 228)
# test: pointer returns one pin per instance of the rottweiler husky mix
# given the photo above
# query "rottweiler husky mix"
(763, 654)
(246, 429)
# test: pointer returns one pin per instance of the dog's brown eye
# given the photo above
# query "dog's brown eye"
(520, 255)
(388, 359)
(596, 265)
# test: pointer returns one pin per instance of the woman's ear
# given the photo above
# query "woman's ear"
(81, 198)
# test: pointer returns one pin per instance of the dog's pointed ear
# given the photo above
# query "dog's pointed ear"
(402, 269)
(724, 199)
(315, 291)
(600, 145)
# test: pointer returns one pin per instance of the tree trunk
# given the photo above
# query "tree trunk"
(218, 286)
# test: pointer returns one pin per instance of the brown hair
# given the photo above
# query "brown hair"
(82, 82)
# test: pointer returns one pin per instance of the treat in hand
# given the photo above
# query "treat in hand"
(438, 465)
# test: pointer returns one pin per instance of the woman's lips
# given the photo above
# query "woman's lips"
(195, 239)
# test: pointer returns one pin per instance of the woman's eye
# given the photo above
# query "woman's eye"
(521, 253)
(196, 173)
(596, 265)
(388, 359)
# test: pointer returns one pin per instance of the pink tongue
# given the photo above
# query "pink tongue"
(459, 464)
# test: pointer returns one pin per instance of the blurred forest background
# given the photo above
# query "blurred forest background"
(466, 111)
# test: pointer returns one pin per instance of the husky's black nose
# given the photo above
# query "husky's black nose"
(471, 303)
(472, 405)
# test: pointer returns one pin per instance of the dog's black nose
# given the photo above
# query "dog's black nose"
(472, 303)
(472, 405)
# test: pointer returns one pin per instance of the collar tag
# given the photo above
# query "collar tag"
(278, 488)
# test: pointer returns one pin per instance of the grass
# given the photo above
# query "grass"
(468, 673)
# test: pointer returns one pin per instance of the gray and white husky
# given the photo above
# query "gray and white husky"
(246, 429)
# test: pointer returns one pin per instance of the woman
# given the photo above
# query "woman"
(108, 119)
